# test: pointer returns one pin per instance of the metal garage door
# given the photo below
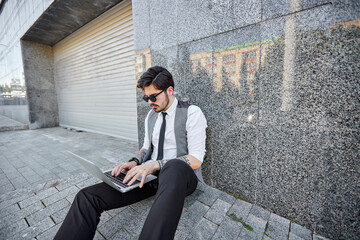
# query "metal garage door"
(95, 76)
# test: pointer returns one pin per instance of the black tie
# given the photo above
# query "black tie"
(161, 138)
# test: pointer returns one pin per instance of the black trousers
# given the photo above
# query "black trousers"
(176, 181)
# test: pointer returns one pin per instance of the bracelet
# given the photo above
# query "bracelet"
(134, 159)
(161, 163)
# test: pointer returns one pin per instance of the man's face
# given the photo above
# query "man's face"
(162, 100)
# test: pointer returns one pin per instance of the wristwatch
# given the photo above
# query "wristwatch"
(134, 159)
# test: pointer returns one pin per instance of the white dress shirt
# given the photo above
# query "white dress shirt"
(196, 133)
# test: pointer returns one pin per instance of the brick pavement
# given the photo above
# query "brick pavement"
(38, 182)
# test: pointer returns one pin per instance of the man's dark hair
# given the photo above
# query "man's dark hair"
(158, 76)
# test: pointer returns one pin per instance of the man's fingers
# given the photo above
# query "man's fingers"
(134, 178)
(142, 180)
(129, 175)
(113, 172)
(120, 168)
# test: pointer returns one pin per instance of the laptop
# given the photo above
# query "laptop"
(115, 182)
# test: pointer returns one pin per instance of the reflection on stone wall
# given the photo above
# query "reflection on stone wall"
(282, 102)
(315, 139)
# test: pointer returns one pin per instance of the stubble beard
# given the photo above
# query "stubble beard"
(167, 103)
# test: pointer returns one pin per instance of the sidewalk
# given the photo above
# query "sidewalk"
(38, 182)
(8, 124)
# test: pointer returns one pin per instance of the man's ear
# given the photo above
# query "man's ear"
(170, 91)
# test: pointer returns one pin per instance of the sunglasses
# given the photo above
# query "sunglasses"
(152, 97)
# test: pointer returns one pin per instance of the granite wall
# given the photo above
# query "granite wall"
(279, 84)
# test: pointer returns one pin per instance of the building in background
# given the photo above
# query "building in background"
(278, 83)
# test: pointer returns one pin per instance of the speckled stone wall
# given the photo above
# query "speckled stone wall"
(279, 84)
(40, 85)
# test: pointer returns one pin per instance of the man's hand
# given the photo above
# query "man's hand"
(127, 166)
(141, 171)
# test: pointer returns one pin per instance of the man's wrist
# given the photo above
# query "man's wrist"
(134, 159)
(161, 163)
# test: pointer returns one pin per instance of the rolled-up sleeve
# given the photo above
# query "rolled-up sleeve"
(146, 136)
(196, 132)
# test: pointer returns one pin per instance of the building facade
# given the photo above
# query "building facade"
(277, 80)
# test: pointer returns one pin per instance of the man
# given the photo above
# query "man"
(174, 148)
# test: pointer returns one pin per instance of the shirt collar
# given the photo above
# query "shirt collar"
(171, 110)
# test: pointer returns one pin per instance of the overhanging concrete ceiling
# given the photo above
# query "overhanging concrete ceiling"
(64, 17)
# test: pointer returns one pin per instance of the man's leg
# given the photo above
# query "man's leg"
(176, 181)
(84, 214)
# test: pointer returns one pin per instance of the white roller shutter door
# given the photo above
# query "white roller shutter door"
(95, 76)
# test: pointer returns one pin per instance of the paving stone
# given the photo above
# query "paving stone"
(88, 182)
(258, 228)
(110, 227)
(6, 188)
(33, 231)
(104, 217)
(202, 186)
(20, 214)
(279, 222)
(204, 230)
(34, 218)
(227, 198)
(4, 182)
(228, 229)
(98, 236)
(60, 195)
(12, 197)
(9, 230)
(300, 231)
(278, 227)
(63, 184)
(182, 231)
(210, 196)
(36, 206)
(20, 182)
(190, 200)
(9, 210)
(34, 179)
(60, 215)
(122, 235)
(267, 238)
(218, 211)
(295, 237)
(260, 212)
(49, 233)
(143, 205)
(71, 197)
(194, 214)
(40, 195)
(116, 211)
(135, 225)
(276, 233)
(318, 237)
(240, 208)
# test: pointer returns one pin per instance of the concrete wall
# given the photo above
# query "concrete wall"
(279, 84)
(40, 84)
(17, 112)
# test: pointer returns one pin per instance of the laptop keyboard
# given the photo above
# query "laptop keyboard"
(119, 179)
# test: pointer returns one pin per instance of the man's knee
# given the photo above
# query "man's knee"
(177, 174)
(176, 170)
(176, 165)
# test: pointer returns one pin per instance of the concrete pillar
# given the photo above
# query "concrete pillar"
(40, 85)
